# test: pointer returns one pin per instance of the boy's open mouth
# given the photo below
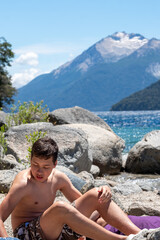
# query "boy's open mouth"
(39, 177)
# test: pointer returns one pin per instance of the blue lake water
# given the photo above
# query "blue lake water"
(131, 126)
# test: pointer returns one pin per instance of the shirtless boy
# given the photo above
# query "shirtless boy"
(34, 214)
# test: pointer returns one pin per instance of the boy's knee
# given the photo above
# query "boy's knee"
(94, 193)
(61, 207)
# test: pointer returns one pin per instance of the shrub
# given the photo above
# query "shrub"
(32, 138)
(27, 112)
(24, 113)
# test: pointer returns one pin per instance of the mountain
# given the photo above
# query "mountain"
(146, 99)
(108, 71)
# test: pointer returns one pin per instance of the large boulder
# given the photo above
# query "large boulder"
(72, 143)
(6, 179)
(144, 157)
(76, 115)
(106, 147)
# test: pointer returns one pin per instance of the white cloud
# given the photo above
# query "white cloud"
(22, 78)
(154, 69)
(29, 58)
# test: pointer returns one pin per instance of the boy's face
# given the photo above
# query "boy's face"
(41, 168)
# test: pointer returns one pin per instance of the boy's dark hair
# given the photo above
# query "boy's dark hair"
(45, 148)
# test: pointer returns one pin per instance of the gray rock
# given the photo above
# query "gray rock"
(153, 234)
(145, 234)
(95, 171)
(112, 183)
(106, 147)
(101, 182)
(86, 187)
(142, 203)
(127, 188)
(3, 118)
(138, 209)
(72, 143)
(1, 153)
(88, 178)
(9, 162)
(6, 178)
(144, 157)
(148, 184)
(76, 115)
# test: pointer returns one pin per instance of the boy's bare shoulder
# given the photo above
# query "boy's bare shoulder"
(22, 178)
(20, 186)
(59, 175)
(61, 178)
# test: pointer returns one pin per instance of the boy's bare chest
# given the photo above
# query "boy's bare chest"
(41, 197)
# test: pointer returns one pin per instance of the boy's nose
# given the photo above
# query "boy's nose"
(40, 170)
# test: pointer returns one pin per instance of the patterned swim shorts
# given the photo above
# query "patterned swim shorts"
(32, 231)
(29, 230)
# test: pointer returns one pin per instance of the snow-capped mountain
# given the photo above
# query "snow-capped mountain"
(102, 75)
(109, 49)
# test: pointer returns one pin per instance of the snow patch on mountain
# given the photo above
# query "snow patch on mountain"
(154, 69)
(119, 45)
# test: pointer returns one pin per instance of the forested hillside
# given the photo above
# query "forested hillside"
(147, 99)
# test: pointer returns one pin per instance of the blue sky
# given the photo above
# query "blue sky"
(47, 33)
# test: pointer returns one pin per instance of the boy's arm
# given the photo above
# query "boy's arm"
(67, 188)
(15, 194)
(5, 210)
(71, 193)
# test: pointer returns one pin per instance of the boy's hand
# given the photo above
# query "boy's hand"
(104, 194)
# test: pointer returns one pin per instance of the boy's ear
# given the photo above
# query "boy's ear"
(55, 163)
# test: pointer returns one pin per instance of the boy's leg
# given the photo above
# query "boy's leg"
(53, 219)
(112, 214)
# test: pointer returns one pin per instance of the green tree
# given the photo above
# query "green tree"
(6, 89)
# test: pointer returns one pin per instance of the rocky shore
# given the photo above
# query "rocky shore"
(90, 153)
